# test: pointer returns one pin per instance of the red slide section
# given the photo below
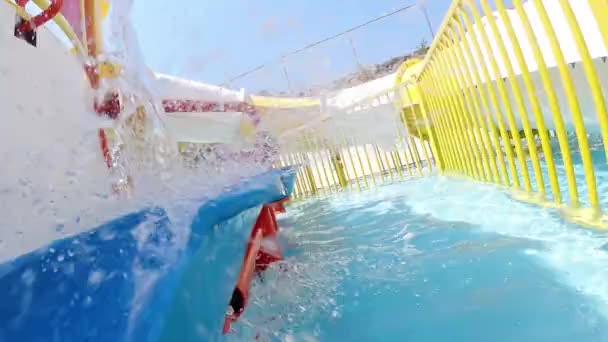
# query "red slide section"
(41, 18)
(262, 250)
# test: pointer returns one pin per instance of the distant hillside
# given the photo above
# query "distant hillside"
(374, 71)
(364, 74)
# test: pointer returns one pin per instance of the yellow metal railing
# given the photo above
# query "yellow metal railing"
(60, 21)
(488, 94)
(327, 167)
(337, 161)
(326, 170)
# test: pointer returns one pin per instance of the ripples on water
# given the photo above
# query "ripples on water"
(429, 260)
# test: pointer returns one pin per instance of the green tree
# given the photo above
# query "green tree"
(422, 47)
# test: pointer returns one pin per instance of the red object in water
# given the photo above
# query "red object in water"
(105, 150)
(110, 106)
(241, 291)
(40, 19)
(196, 106)
(279, 206)
(193, 106)
(262, 250)
(270, 250)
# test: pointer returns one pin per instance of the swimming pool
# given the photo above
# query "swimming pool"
(431, 259)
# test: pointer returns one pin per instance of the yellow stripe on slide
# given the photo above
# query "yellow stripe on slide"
(20, 11)
(284, 102)
(105, 8)
(247, 128)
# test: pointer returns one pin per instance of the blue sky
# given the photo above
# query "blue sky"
(213, 40)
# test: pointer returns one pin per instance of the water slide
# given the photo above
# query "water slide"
(80, 261)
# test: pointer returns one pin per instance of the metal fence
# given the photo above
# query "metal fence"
(502, 89)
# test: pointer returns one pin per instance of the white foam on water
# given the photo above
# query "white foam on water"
(575, 254)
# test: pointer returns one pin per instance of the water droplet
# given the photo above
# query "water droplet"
(60, 257)
(28, 277)
(335, 314)
(95, 277)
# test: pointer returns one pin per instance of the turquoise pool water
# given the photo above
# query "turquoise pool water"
(430, 260)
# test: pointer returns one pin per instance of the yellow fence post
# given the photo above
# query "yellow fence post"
(575, 109)
(380, 163)
(339, 165)
(474, 80)
(533, 98)
(388, 164)
(445, 135)
(407, 162)
(502, 92)
(298, 183)
(299, 174)
(448, 116)
(558, 120)
(418, 130)
(493, 100)
(434, 143)
(590, 70)
(398, 160)
(417, 161)
(397, 166)
(361, 164)
(369, 163)
(325, 158)
(352, 162)
(462, 113)
(476, 115)
(401, 137)
(309, 173)
(336, 160)
(304, 176)
(316, 164)
(519, 98)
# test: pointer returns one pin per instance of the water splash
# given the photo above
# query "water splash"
(576, 255)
